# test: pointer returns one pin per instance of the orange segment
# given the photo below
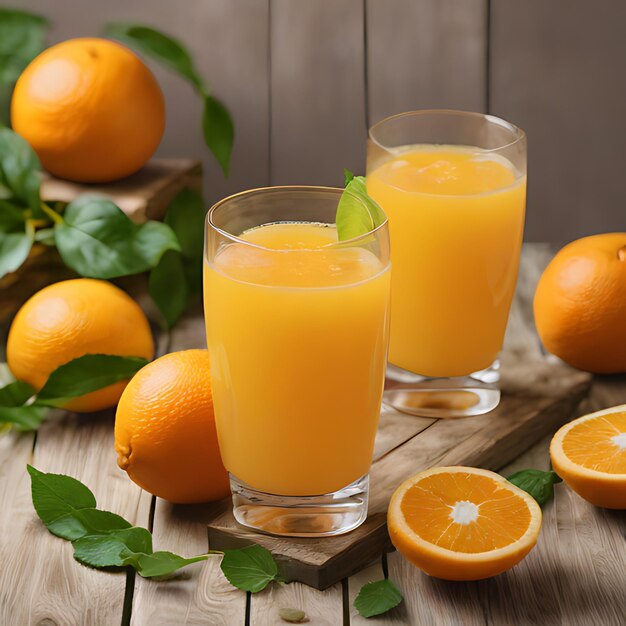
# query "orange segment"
(589, 454)
(462, 523)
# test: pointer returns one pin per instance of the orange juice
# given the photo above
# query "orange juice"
(456, 217)
(297, 332)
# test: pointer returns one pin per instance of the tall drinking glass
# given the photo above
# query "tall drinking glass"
(297, 329)
(453, 185)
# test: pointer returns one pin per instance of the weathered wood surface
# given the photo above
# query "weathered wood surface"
(40, 583)
(574, 576)
(144, 195)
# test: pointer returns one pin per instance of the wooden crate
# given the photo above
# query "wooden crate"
(144, 195)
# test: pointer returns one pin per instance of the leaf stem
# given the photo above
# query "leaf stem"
(53, 215)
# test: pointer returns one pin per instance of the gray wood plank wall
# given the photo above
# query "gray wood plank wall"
(303, 78)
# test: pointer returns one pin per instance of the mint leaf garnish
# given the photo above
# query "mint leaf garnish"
(250, 569)
(377, 597)
(357, 212)
(537, 483)
(100, 538)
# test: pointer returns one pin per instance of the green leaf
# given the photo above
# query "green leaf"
(24, 418)
(185, 216)
(100, 538)
(21, 33)
(153, 240)
(539, 484)
(20, 169)
(99, 241)
(163, 563)
(113, 549)
(12, 218)
(219, 131)
(347, 176)
(357, 212)
(14, 250)
(168, 287)
(377, 598)
(80, 523)
(56, 495)
(15, 394)
(250, 569)
(159, 46)
(217, 123)
(86, 374)
(22, 38)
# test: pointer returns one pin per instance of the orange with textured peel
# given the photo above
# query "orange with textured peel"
(462, 523)
(589, 454)
(165, 434)
(72, 318)
(91, 110)
(580, 304)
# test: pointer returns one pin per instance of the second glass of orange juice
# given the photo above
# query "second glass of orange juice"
(297, 329)
(453, 185)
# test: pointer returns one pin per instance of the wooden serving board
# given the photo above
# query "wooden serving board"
(537, 397)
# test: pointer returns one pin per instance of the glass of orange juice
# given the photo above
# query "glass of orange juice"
(297, 329)
(453, 185)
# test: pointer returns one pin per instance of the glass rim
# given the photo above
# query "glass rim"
(210, 224)
(518, 133)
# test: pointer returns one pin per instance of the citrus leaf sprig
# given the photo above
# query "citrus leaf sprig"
(95, 238)
(102, 539)
(217, 123)
(23, 407)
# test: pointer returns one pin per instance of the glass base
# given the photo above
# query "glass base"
(301, 516)
(463, 396)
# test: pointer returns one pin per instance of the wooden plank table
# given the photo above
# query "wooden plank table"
(576, 574)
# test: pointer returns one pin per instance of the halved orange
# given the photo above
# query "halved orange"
(462, 523)
(589, 454)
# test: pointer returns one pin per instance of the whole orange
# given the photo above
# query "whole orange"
(165, 434)
(580, 304)
(72, 318)
(91, 110)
